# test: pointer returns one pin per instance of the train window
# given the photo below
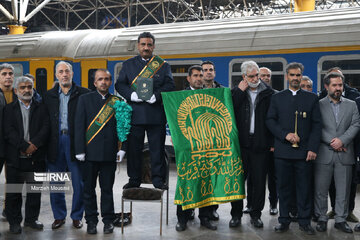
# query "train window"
(41, 80)
(277, 66)
(179, 70)
(18, 69)
(349, 64)
(91, 77)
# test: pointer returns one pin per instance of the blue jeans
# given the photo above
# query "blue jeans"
(63, 163)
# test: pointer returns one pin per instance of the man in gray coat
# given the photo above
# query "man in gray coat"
(340, 119)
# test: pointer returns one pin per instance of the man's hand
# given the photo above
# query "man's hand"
(135, 98)
(310, 156)
(152, 99)
(292, 137)
(31, 149)
(336, 144)
(243, 85)
(80, 157)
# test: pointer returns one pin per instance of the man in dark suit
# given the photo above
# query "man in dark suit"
(97, 150)
(147, 115)
(61, 102)
(295, 121)
(196, 81)
(26, 129)
(251, 100)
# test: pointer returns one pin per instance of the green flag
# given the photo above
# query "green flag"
(207, 150)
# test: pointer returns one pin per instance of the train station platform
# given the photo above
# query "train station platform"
(146, 219)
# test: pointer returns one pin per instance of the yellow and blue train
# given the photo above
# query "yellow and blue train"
(319, 40)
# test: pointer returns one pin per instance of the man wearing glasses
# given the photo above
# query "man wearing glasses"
(295, 121)
(251, 100)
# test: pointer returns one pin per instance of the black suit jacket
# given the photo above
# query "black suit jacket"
(145, 113)
(281, 121)
(104, 146)
(52, 101)
(14, 132)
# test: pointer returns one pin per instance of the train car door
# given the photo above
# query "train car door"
(88, 69)
(43, 71)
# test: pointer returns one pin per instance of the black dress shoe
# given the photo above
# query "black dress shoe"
(180, 227)
(91, 228)
(307, 229)
(206, 223)
(214, 216)
(257, 222)
(281, 227)
(77, 223)
(274, 211)
(192, 214)
(343, 226)
(34, 225)
(321, 226)
(57, 223)
(131, 185)
(247, 210)
(108, 228)
(234, 222)
(15, 228)
(162, 186)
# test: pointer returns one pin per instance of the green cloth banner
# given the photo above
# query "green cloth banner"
(207, 150)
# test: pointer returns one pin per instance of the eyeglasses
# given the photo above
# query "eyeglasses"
(252, 76)
(307, 86)
(7, 73)
(293, 74)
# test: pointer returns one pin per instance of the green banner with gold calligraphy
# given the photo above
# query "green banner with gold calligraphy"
(207, 150)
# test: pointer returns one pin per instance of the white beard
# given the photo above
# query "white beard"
(253, 85)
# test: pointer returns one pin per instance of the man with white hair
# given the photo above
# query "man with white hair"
(306, 84)
(251, 100)
(26, 129)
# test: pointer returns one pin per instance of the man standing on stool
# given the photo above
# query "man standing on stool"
(96, 146)
(147, 116)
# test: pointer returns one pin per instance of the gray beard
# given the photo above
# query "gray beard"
(254, 85)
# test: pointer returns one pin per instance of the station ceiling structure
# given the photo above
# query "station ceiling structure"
(108, 14)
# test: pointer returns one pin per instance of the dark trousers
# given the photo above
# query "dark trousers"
(271, 181)
(255, 170)
(273, 195)
(106, 172)
(301, 171)
(332, 192)
(14, 200)
(184, 215)
(156, 137)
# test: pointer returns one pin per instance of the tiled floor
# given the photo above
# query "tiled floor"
(145, 223)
